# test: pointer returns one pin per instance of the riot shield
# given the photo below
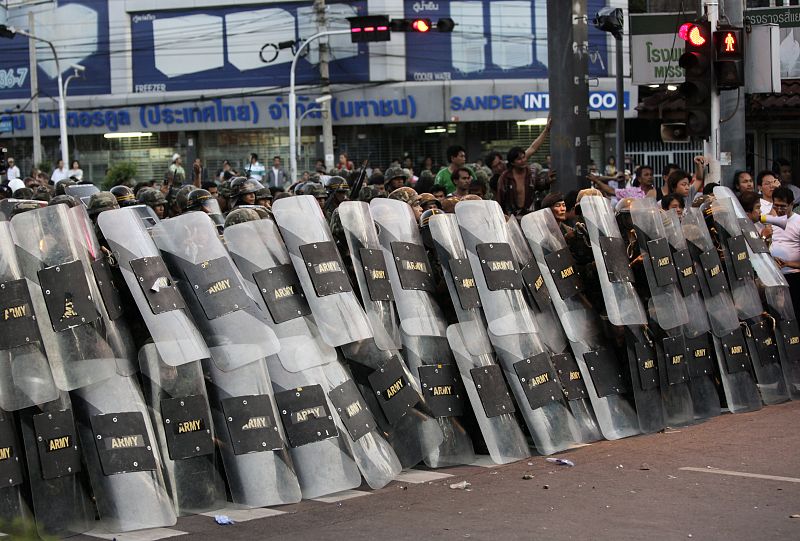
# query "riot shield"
(741, 392)
(622, 303)
(83, 192)
(59, 490)
(340, 320)
(65, 298)
(161, 306)
(305, 361)
(25, 377)
(528, 367)
(12, 470)
(423, 328)
(615, 415)
(181, 417)
(219, 301)
(146, 215)
(120, 453)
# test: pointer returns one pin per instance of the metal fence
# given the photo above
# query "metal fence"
(658, 155)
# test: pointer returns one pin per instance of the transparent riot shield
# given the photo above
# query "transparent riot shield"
(741, 392)
(615, 415)
(305, 361)
(121, 455)
(160, 304)
(111, 310)
(61, 500)
(696, 331)
(548, 325)
(181, 417)
(25, 377)
(622, 303)
(423, 327)
(393, 395)
(528, 367)
(213, 290)
(83, 192)
(65, 298)
(13, 505)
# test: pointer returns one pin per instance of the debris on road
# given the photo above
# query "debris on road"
(527, 476)
(463, 485)
(546, 487)
(561, 461)
(223, 520)
(794, 516)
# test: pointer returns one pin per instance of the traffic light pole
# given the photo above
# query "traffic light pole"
(711, 146)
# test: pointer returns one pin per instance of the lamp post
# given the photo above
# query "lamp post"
(319, 100)
(293, 100)
(612, 20)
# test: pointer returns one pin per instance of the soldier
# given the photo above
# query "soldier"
(240, 216)
(155, 200)
(409, 196)
(61, 186)
(224, 195)
(428, 201)
(100, 202)
(264, 198)
(368, 193)
(394, 178)
(181, 198)
(124, 195)
(339, 190)
(243, 191)
(319, 194)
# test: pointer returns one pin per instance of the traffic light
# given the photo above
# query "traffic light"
(697, 61)
(369, 28)
(422, 25)
(729, 63)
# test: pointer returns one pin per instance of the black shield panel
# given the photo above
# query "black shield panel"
(499, 268)
(413, 266)
(675, 359)
(647, 366)
(605, 371)
(216, 287)
(534, 281)
(282, 293)
(699, 355)
(378, 284)
(755, 241)
(187, 426)
(251, 424)
(712, 269)
(325, 268)
(492, 390)
(17, 321)
(539, 380)
(661, 259)
(10, 450)
(352, 410)
(742, 267)
(67, 296)
(156, 284)
(305, 415)
(687, 278)
(735, 350)
(465, 284)
(442, 388)
(562, 268)
(765, 342)
(108, 289)
(570, 376)
(616, 259)
(395, 395)
(791, 338)
(122, 443)
(57, 444)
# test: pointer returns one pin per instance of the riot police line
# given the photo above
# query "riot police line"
(154, 368)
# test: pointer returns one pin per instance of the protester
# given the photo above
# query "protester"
(59, 173)
(767, 183)
(743, 182)
(785, 247)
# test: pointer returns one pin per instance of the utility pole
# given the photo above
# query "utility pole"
(34, 74)
(732, 106)
(711, 147)
(324, 73)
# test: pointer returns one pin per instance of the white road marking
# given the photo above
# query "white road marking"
(244, 515)
(142, 535)
(420, 476)
(745, 474)
(341, 496)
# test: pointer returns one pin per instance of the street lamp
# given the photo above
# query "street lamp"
(320, 100)
(10, 32)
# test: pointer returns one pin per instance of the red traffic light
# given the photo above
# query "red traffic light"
(692, 33)
(421, 25)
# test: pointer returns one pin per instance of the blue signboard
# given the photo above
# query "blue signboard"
(240, 47)
(498, 39)
(79, 31)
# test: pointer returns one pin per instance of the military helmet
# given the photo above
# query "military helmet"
(64, 199)
(240, 216)
(263, 212)
(338, 184)
(182, 197)
(368, 193)
(61, 187)
(449, 204)
(393, 173)
(242, 186)
(101, 201)
(426, 198)
(152, 197)
(197, 199)
(124, 195)
(426, 216)
(224, 189)
(405, 194)
(264, 193)
(23, 193)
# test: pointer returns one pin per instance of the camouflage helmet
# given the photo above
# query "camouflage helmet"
(23, 193)
(124, 195)
(240, 216)
(393, 173)
(368, 193)
(182, 197)
(242, 186)
(263, 212)
(449, 204)
(338, 184)
(406, 195)
(316, 190)
(427, 198)
(224, 189)
(61, 187)
(197, 199)
(427, 176)
(481, 176)
(264, 193)
(64, 199)
(426, 216)
(152, 197)
(100, 202)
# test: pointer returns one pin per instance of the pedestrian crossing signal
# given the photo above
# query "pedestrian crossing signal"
(729, 61)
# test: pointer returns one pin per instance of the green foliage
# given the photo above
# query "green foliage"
(45, 166)
(120, 173)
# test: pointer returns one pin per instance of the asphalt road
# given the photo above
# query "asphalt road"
(733, 477)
